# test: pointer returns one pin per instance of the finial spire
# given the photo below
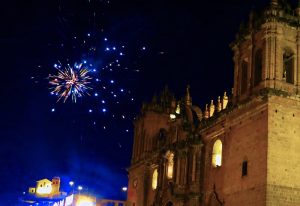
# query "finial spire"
(274, 2)
(224, 101)
(188, 99)
(206, 112)
(298, 8)
(211, 108)
(219, 105)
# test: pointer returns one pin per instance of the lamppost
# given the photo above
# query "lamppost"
(79, 188)
(71, 183)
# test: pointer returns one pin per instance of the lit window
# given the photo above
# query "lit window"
(170, 164)
(154, 179)
(217, 154)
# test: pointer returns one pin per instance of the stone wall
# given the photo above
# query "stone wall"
(283, 152)
(244, 138)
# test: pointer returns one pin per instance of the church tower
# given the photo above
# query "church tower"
(267, 51)
(243, 150)
(267, 69)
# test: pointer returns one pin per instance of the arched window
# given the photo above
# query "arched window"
(217, 154)
(288, 66)
(258, 67)
(244, 81)
(170, 164)
(154, 179)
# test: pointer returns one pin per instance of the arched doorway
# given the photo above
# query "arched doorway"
(169, 204)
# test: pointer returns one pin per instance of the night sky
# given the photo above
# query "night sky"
(165, 42)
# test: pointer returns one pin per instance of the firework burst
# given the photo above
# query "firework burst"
(70, 82)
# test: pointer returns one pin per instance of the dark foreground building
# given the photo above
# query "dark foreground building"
(241, 150)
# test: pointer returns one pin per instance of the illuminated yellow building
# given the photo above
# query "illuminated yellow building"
(46, 188)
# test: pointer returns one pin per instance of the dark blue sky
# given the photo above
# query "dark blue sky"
(187, 43)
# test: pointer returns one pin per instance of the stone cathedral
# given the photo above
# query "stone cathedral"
(243, 148)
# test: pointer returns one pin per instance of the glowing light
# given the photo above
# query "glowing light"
(90, 110)
(79, 188)
(154, 179)
(177, 109)
(71, 183)
(170, 164)
(103, 110)
(217, 154)
(70, 82)
(172, 116)
(53, 110)
(124, 189)
(218, 160)
(112, 81)
(44, 190)
(85, 201)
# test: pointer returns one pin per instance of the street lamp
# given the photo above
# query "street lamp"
(79, 189)
(71, 183)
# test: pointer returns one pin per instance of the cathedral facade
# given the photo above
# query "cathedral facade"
(243, 149)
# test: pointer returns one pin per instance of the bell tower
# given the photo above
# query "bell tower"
(267, 52)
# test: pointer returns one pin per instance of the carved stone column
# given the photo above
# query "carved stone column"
(297, 69)
(236, 72)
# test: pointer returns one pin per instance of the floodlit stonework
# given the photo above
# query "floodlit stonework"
(242, 149)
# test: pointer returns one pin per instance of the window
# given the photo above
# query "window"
(258, 67)
(288, 66)
(170, 164)
(244, 81)
(154, 179)
(217, 154)
(244, 168)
